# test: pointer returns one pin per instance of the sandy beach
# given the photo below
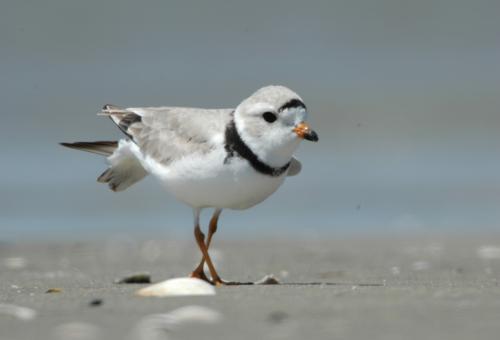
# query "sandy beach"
(399, 200)
(438, 287)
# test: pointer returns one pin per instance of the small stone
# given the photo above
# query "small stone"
(53, 290)
(96, 302)
(135, 278)
(268, 280)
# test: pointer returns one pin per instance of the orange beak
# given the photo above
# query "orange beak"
(304, 131)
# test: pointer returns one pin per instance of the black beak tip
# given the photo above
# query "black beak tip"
(312, 136)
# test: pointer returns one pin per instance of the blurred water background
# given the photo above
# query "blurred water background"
(405, 96)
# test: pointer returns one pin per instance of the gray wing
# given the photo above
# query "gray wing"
(169, 133)
(295, 167)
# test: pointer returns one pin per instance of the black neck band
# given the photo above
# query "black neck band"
(234, 144)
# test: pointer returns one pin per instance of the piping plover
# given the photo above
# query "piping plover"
(208, 158)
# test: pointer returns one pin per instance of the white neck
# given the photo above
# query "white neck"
(275, 152)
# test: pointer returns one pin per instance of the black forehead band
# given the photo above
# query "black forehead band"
(294, 103)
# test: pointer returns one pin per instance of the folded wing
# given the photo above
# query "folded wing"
(169, 133)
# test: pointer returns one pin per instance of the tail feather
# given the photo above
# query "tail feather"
(124, 170)
(104, 148)
(106, 176)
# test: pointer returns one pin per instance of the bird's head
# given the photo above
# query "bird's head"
(272, 121)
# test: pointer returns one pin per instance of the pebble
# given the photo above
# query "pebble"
(53, 290)
(96, 302)
(135, 278)
(268, 280)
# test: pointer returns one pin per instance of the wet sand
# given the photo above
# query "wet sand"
(425, 287)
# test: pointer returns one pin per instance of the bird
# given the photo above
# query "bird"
(230, 158)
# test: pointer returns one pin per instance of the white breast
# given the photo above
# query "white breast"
(206, 181)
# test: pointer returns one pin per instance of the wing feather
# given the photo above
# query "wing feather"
(295, 167)
(169, 133)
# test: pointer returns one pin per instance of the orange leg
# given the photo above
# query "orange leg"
(200, 239)
(198, 272)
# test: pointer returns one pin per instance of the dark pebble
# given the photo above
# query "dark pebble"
(135, 278)
(95, 303)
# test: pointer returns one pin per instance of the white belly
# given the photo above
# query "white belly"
(208, 182)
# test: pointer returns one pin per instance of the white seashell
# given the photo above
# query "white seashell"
(22, 313)
(181, 286)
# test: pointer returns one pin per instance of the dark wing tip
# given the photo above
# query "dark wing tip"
(128, 120)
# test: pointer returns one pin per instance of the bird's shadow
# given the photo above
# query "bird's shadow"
(332, 284)
(314, 283)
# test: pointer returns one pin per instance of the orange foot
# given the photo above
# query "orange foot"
(200, 275)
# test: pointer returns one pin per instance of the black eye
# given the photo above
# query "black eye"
(269, 117)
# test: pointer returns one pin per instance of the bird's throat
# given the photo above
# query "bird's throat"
(236, 147)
